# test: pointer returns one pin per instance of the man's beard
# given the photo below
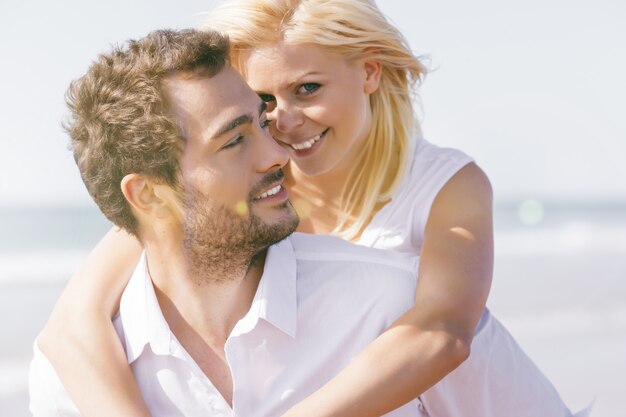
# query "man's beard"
(221, 244)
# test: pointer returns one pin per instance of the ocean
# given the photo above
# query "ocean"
(559, 286)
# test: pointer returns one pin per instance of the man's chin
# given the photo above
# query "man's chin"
(285, 225)
(283, 215)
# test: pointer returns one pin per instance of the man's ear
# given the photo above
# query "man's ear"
(144, 196)
(373, 71)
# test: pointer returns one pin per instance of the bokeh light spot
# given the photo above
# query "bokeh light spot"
(241, 208)
(531, 212)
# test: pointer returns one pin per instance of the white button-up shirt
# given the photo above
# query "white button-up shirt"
(319, 302)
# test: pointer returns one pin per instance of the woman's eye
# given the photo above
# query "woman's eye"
(267, 97)
(234, 142)
(265, 123)
(308, 88)
(270, 100)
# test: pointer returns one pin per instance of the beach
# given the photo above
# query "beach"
(559, 286)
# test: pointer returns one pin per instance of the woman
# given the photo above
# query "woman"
(359, 170)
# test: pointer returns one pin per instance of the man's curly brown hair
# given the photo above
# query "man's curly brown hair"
(120, 122)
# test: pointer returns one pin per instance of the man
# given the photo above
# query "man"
(225, 313)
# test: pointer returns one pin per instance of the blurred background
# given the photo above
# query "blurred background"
(533, 90)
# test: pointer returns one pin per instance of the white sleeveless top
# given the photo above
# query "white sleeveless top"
(498, 379)
(400, 224)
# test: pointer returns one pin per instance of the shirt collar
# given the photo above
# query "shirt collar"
(141, 316)
(275, 300)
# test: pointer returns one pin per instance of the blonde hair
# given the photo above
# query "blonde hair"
(352, 28)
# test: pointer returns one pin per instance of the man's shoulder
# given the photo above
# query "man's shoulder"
(309, 247)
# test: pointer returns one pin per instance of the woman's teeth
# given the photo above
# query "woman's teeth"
(307, 145)
(269, 193)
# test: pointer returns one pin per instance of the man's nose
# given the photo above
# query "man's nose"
(270, 155)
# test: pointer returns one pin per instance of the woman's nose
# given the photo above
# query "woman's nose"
(287, 118)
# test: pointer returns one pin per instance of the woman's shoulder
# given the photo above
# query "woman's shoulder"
(428, 157)
(400, 224)
(428, 169)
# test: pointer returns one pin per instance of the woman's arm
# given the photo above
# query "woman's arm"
(80, 340)
(433, 338)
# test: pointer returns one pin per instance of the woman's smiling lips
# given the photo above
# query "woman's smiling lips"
(308, 146)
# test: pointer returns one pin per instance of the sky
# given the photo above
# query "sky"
(533, 90)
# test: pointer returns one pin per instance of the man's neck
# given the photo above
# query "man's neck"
(203, 310)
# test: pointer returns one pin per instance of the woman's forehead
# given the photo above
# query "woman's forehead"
(291, 57)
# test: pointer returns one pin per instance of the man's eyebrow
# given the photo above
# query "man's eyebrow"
(238, 121)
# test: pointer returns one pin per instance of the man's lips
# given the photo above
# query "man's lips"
(270, 185)
(270, 192)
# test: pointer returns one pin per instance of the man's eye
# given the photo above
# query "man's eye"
(265, 123)
(234, 142)
(308, 88)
